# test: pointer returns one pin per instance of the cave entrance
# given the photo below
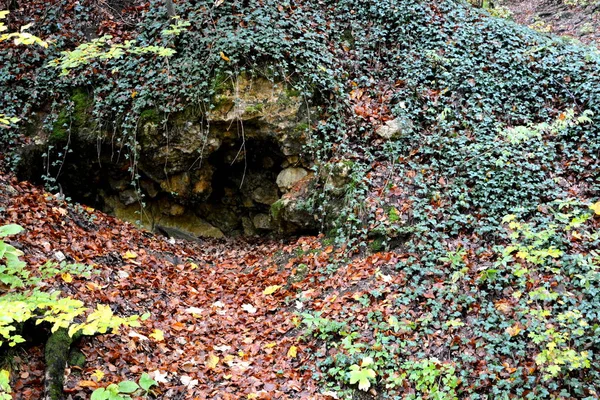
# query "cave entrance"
(240, 182)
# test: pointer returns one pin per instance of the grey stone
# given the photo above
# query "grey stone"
(289, 177)
(395, 128)
(263, 222)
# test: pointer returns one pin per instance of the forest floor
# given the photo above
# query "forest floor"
(223, 312)
(581, 21)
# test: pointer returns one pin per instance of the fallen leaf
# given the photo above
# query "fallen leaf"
(513, 330)
(66, 277)
(134, 334)
(188, 381)
(211, 361)
(98, 374)
(292, 352)
(596, 208)
(224, 57)
(271, 289)
(194, 310)
(90, 384)
(249, 308)
(159, 376)
(157, 335)
(130, 255)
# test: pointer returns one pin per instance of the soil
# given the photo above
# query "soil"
(581, 22)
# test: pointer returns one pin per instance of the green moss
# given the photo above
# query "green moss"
(72, 119)
(376, 245)
(255, 108)
(150, 115)
(302, 127)
(276, 209)
(221, 82)
(76, 358)
(56, 353)
(393, 215)
(60, 128)
(290, 92)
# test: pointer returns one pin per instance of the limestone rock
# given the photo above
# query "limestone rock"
(150, 188)
(338, 177)
(128, 197)
(289, 176)
(395, 128)
(263, 222)
(266, 194)
(189, 223)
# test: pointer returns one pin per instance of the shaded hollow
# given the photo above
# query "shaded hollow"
(228, 193)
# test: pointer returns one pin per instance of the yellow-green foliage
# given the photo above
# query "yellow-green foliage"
(26, 301)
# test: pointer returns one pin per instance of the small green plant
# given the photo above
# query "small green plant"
(432, 378)
(26, 300)
(102, 49)
(124, 389)
(5, 390)
(323, 328)
(362, 374)
(455, 258)
(519, 134)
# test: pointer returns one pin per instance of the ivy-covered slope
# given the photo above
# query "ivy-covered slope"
(496, 123)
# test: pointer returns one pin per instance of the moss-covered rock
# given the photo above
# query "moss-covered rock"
(56, 354)
(73, 117)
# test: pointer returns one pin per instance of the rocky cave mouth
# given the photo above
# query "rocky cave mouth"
(239, 184)
(239, 168)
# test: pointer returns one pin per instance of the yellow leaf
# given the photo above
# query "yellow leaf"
(129, 255)
(270, 345)
(271, 289)
(522, 254)
(292, 352)
(211, 361)
(513, 330)
(596, 207)
(296, 321)
(98, 374)
(252, 396)
(576, 235)
(133, 94)
(66, 277)
(224, 57)
(193, 266)
(157, 335)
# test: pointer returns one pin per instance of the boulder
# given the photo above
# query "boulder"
(395, 128)
(289, 177)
